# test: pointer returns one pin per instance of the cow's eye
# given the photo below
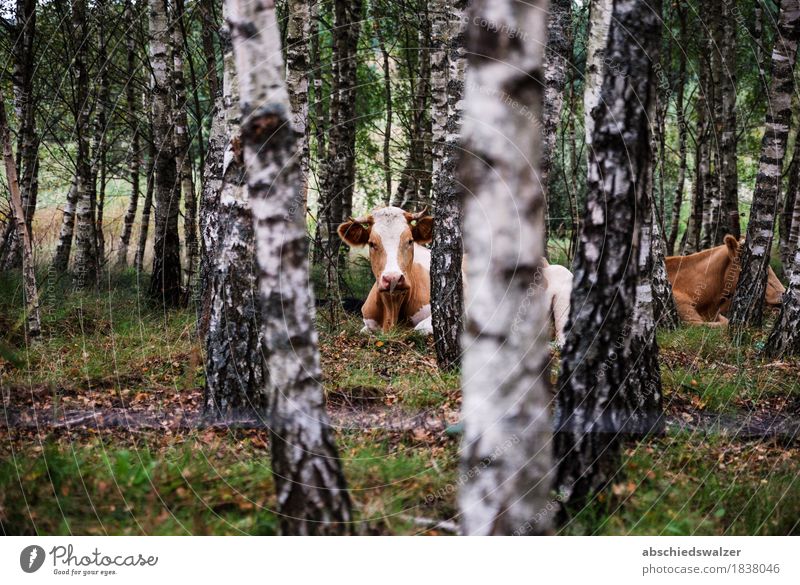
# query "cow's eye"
(410, 242)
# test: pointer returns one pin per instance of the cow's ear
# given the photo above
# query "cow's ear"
(733, 246)
(354, 233)
(422, 229)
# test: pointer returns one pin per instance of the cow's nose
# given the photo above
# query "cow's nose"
(392, 280)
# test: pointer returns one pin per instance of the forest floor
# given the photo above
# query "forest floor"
(102, 431)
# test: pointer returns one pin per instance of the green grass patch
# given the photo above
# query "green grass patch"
(687, 485)
(196, 485)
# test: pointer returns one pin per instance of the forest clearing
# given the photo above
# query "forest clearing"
(120, 450)
(427, 267)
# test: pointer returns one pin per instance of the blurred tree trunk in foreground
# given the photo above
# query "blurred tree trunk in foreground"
(311, 492)
(505, 454)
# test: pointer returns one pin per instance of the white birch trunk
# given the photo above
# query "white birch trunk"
(311, 491)
(505, 451)
(599, 23)
(165, 284)
(32, 319)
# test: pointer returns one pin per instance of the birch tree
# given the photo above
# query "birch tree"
(680, 111)
(86, 264)
(147, 206)
(599, 23)
(24, 53)
(218, 141)
(131, 98)
(32, 319)
(713, 225)
(183, 143)
(381, 29)
(235, 368)
(728, 174)
(99, 147)
(697, 228)
(64, 246)
(557, 57)
(165, 284)
(298, 27)
(594, 399)
(748, 300)
(413, 188)
(311, 492)
(447, 84)
(789, 226)
(338, 172)
(505, 454)
(208, 30)
(784, 339)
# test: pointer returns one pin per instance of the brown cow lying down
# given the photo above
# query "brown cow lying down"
(401, 265)
(703, 283)
(401, 294)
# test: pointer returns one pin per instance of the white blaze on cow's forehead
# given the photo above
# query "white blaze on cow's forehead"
(390, 223)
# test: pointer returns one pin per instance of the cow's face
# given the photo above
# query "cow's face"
(773, 294)
(390, 233)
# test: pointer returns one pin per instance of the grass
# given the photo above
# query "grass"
(195, 485)
(98, 347)
(116, 334)
(203, 483)
(702, 363)
(685, 485)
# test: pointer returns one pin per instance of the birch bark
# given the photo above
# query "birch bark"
(504, 455)
(311, 491)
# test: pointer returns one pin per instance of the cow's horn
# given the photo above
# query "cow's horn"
(418, 215)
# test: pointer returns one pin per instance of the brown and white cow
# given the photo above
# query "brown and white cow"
(401, 265)
(703, 283)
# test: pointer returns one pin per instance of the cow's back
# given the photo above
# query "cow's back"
(699, 279)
